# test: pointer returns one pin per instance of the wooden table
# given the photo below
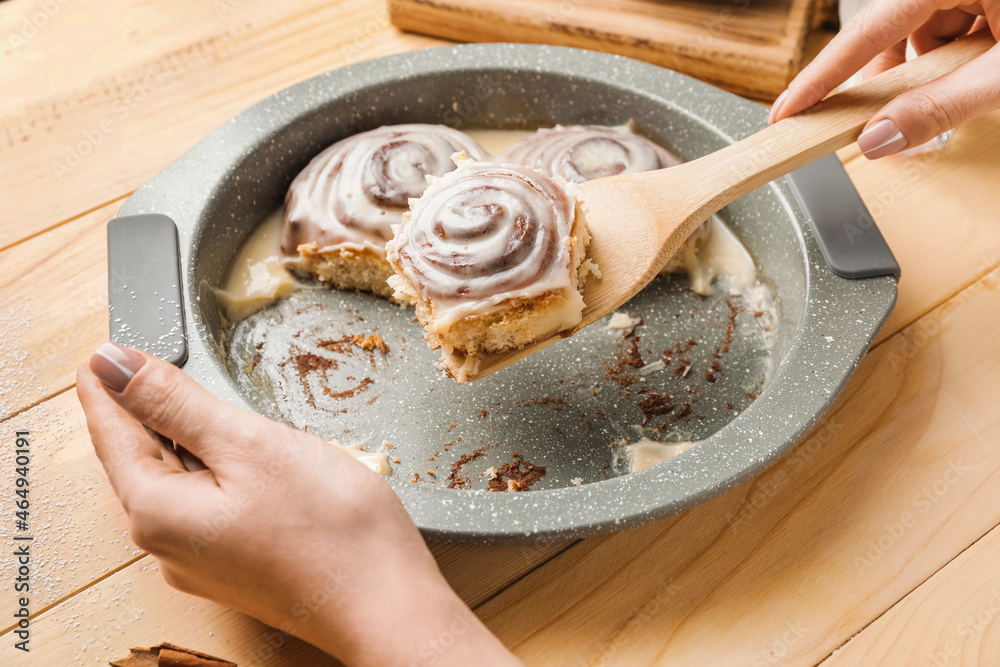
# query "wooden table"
(873, 542)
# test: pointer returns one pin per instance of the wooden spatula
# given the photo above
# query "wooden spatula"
(638, 221)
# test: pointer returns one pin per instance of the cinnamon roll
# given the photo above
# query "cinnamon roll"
(580, 153)
(340, 209)
(493, 257)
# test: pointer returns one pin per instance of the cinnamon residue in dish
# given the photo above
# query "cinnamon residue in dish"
(516, 476)
(455, 481)
(349, 393)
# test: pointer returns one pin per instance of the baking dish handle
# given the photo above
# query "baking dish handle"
(848, 237)
(145, 303)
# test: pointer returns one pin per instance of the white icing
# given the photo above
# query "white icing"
(580, 153)
(376, 461)
(712, 251)
(484, 235)
(647, 453)
(257, 275)
(350, 195)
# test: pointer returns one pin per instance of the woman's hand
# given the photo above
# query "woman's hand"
(281, 525)
(876, 40)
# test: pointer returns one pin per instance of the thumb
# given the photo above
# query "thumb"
(164, 398)
(926, 111)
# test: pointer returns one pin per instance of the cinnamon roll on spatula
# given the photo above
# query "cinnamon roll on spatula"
(340, 209)
(493, 257)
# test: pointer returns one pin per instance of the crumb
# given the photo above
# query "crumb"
(621, 322)
(370, 342)
(576, 481)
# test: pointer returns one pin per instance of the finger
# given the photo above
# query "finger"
(926, 111)
(894, 55)
(877, 27)
(943, 27)
(165, 399)
(131, 457)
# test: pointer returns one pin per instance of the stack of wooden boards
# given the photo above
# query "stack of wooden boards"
(750, 47)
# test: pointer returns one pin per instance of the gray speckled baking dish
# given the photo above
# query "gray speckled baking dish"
(222, 187)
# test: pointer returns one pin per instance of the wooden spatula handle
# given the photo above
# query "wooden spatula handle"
(834, 123)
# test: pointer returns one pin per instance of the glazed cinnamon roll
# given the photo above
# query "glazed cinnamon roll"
(493, 257)
(580, 153)
(339, 210)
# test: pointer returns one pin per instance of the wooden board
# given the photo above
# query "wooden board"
(751, 48)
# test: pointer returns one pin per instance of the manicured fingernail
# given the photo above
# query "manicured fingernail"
(881, 139)
(116, 365)
(776, 107)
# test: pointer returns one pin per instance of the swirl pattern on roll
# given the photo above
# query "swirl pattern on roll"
(581, 153)
(350, 194)
(484, 234)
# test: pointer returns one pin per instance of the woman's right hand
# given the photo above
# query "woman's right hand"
(875, 39)
(282, 525)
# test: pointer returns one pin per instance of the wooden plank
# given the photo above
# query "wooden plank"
(751, 49)
(53, 308)
(109, 136)
(950, 619)
(80, 532)
(901, 477)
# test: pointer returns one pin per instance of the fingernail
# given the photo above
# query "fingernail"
(881, 139)
(116, 365)
(776, 107)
